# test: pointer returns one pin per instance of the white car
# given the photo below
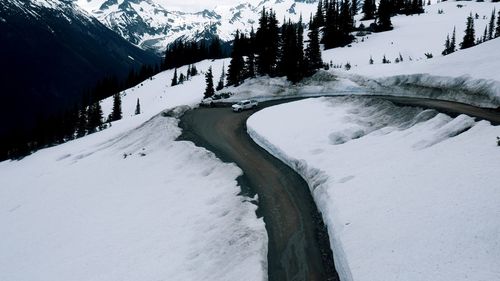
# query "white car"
(210, 101)
(244, 104)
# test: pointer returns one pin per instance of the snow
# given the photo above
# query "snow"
(407, 193)
(469, 75)
(130, 202)
(162, 23)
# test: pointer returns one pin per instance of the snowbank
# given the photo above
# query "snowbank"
(407, 194)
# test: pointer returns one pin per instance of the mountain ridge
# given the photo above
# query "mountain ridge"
(151, 26)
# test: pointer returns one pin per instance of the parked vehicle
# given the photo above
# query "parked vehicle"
(210, 101)
(244, 104)
(215, 98)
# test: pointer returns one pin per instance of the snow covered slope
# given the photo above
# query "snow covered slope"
(407, 194)
(148, 24)
(130, 203)
(473, 72)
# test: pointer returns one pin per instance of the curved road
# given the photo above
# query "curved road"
(298, 247)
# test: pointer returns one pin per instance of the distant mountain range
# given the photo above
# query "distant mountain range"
(51, 51)
(151, 26)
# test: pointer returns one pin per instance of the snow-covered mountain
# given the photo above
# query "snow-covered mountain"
(51, 51)
(150, 25)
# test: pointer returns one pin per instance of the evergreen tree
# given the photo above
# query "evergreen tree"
(485, 34)
(94, 117)
(384, 16)
(116, 114)
(290, 56)
(319, 17)
(371, 60)
(469, 37)
(235, 69)
(446, 46)
(220, 85)
(215, 49)
(174, 79)
(194, 70)
(300, 49)
(182, 78)
(491, 26)
(497, 30)
(81, 129)
(369, 9)
(137, 107)
(354, 7)
(209, 90)
(188, 73)
(313, 52)
(453, 44)
(267, 43)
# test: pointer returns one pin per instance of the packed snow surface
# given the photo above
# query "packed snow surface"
(407, 193)
(130, 203)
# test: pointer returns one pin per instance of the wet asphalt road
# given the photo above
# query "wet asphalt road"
(298, 247)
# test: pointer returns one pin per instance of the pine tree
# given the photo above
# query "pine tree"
(250, 66)
(194, 70)
(446, 46)
(339, 24)
(94, 117)
(235, 69)
(313, 52)
(300, 49)
(289, 62)
(182, 78)
(453, 43)
(319, 17)
(491, 26)
(485, 34)
(220, 85)
(497, 30)
(188, 73)
(81, 129)
(369, 9)
(174, 79)
(469, 37)
(267, 43)
(209, 90)
(116, 114)
(354, 7)
(250, 61)
(384, 16)
(137, 108)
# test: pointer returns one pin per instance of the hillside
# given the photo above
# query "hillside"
(130, 203)
(51, 53)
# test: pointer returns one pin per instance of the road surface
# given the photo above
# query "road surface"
(299, 246)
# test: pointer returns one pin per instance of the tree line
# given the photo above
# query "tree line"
(79, 120)
(182, 53)
(275, 51)
(86, 117)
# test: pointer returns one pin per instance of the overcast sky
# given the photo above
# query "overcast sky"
(194, 5)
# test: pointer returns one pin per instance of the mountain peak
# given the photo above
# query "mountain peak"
(149, 25)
